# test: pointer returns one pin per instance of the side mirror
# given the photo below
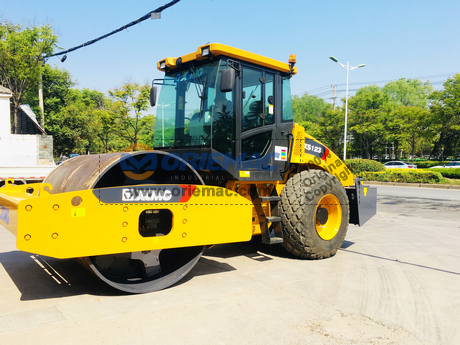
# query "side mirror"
(227, 80)
(153, 96)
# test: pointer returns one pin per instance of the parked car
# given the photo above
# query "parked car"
(453, 164)
(62, 160)
(399, 165)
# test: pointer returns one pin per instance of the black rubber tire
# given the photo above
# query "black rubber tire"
(299, 200)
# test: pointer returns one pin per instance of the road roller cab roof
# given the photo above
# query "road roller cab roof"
(212, 50)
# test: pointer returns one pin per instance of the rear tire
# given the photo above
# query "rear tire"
(314, 214)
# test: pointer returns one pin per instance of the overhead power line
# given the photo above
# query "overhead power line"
(325, 90)
(445, 75)
(320, 89)
(153, 14)
(324, 93)
(387, 81)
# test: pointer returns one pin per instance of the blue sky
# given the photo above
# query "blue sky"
(395, 39)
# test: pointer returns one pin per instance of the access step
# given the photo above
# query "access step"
(276, 240)
(273, 219)
(270, 198)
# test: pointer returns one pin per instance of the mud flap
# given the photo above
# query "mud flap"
(363, 202)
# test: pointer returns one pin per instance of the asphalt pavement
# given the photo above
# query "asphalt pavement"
(394, 281)
(423, 193)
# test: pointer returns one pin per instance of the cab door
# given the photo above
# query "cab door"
(257, 123)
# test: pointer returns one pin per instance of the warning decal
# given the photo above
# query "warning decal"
(281, 153)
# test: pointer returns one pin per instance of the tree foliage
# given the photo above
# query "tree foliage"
(308, 108)
(368, 111)
(408, 92)
(445, 106)
(129, 103)
(21, 58)
(410, 124)
(57, 84)
(74, 128)
(329, 129)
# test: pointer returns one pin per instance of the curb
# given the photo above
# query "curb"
(414, 185)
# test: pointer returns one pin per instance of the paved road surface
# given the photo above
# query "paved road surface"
(396, 280)
(420, 193)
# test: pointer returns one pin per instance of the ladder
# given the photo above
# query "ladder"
(270, 234)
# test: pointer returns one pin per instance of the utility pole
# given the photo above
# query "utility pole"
(334, 94)
(40, 102)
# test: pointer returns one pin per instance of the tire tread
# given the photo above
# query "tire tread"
(297, 216)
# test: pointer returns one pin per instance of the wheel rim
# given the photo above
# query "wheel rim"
(329, 227)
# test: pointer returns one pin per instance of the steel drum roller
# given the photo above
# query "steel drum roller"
(135, 272)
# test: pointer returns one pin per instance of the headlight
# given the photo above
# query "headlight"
(205, 51)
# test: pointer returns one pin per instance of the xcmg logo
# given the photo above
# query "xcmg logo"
(146, 194)
(167, 193)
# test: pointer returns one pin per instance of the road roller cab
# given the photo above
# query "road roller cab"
(227, 107)
(228, 164)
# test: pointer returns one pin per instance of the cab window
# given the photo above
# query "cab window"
(287, 102)
(252, 98)
(269, 98)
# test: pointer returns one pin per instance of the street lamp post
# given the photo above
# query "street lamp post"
(348, 68)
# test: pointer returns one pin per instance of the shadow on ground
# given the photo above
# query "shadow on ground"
(253, 247)
(40, 277)
(249, 249)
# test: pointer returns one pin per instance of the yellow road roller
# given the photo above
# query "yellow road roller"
(228, 164)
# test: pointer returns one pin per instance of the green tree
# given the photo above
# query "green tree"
(57, 84)
(106, 126)
(75, 127)
(307, 109)
(408, 92)
(329, 129)
(368, 111)
(414, 124)
(445, 107)
(129, 103)
(58, 101)
(21, 58)
(146, 133)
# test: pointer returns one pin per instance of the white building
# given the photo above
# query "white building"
(22, 150)
(5, 95)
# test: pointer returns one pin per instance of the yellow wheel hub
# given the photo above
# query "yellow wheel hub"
(328, 217)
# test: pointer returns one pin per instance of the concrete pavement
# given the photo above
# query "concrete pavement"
(394, 281)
